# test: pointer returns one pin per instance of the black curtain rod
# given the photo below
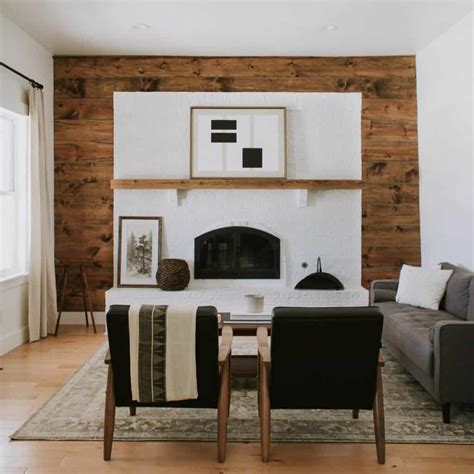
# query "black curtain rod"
(35, 84)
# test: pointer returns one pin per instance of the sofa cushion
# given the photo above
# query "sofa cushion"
(409, 329)
(457, 299)
(422, 287)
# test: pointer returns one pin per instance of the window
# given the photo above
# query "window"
(14, 195)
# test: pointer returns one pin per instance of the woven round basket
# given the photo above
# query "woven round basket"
(173, 274)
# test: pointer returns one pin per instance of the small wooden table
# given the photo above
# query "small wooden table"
(244, 366)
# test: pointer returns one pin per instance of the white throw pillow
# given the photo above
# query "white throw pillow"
(423, 287)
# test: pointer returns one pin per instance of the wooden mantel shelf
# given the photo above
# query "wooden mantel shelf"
(254, 183)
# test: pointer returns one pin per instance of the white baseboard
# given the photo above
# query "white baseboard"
(20, 336)
(13, 340)
(77, 317)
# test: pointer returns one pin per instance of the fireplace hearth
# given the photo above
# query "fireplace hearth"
(237, 253)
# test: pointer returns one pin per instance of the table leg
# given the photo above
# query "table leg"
(87, 298)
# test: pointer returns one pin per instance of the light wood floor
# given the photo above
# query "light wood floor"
(35, 371)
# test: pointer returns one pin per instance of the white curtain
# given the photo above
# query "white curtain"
(41, 281)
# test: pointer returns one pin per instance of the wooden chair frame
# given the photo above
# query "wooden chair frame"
(264, 408)
(223, 404)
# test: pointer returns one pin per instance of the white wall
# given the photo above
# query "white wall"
(323, 130)
(20, 51)
(152, 131)
(445, 121)
(329, 226)
(13, 313)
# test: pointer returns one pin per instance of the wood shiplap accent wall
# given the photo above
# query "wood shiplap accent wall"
(83, 107)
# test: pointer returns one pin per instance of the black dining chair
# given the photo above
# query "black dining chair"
(212, 365)
(321, 358)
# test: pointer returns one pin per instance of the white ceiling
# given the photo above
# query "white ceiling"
(235, 28)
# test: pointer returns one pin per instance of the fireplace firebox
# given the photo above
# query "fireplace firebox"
(237, 253)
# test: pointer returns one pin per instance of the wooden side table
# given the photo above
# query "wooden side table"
(244, 365)
(81, 268)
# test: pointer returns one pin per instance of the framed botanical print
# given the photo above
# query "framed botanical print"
(238, 142)
(139, 251)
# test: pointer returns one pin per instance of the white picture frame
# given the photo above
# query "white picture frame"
(238, 142)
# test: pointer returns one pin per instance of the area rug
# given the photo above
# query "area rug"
(75, 412)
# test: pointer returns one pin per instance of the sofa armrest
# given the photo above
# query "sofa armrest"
(454, 361)
(383, 290)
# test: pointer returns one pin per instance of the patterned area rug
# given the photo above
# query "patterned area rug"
(76, 412)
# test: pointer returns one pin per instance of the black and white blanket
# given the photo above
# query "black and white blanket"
(162, 352)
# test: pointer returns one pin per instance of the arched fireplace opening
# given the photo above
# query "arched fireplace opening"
(237, 253)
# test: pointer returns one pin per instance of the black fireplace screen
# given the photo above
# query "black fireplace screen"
(237, 252)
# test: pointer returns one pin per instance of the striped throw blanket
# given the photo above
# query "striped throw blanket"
(162, 352)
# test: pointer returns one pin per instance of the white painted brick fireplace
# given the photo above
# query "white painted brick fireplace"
(152, 141)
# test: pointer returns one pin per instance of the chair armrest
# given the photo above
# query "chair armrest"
(107, 359)
(226, 345)
(263, 347)
(454, 361)
(383, 290)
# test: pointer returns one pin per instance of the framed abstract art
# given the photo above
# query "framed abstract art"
(238, 142)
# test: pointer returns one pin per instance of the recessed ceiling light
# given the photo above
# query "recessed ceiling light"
(141, 26)
(330, 27)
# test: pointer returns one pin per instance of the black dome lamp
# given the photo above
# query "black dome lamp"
(320, 281)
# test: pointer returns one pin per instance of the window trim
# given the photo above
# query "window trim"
(12, 118)
(13, 281)
(21, 175)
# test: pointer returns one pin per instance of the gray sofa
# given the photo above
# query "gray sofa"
(436, 347)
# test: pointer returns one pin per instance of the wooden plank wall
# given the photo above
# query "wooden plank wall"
(83, 108)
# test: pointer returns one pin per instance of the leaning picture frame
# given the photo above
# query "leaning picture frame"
(238, 142)
(139, 251)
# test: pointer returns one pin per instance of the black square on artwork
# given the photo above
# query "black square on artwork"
(252, 158)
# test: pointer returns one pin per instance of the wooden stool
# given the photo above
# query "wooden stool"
(85, 291)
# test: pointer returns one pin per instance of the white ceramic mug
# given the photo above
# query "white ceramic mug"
(254, 303)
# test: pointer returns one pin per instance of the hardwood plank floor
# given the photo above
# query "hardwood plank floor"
(33, 372)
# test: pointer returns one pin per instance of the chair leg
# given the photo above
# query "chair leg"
(355, 413)
(379, 419)
(223, 411)
(133, 411)
(84, 301)
(229, 383)
(265, 416)
(88, 300)
(446, 407)
(109, 417)
(62, 294)
(259, 371)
